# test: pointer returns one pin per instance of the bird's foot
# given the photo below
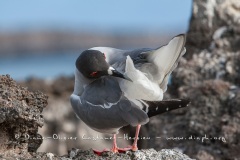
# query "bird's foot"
(114, 150)
(97, 152)
(123, 150)
(133, 148)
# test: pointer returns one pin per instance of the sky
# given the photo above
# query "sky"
(106, 15)
(95, 16)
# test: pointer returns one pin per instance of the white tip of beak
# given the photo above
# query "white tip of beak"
(110, 70)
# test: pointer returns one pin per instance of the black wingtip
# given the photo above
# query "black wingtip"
(159, 107)
(185, 102)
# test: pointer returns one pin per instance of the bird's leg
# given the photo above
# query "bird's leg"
(114, 146)
(134, 146)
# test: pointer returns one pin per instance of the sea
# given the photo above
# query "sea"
(43, 66)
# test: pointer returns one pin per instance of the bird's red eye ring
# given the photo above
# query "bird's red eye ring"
(93, 74)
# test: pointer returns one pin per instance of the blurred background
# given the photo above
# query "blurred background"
(40, 41)
(43, 38)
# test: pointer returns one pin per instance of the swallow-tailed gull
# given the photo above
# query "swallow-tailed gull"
(114, 88)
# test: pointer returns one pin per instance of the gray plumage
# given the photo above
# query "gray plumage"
(107, 103)
(104, 108)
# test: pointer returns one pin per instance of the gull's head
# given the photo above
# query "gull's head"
(92, 64)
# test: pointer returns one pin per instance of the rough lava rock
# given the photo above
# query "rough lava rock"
(165, 154)
(20, 117)
(217, 20)
(210, 77)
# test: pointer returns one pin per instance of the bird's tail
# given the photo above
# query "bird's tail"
(157, 107)
(166, 59)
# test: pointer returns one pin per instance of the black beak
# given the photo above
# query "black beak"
(115, 73)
